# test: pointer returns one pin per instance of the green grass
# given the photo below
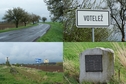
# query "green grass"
(55, 33)
(20, 27)
(29, 76)
(71, 59)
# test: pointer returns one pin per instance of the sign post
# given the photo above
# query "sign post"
(92, 19)
(93, 37)
(38, 60)
(46, 61)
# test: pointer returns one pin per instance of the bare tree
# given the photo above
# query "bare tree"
(14, 15)
(118, 15)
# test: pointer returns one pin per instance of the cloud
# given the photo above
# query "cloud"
(32, 6)
(26, 52)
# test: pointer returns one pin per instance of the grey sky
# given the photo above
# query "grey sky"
(32, 6)
(27, 52)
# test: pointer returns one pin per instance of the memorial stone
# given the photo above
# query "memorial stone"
(96, 65)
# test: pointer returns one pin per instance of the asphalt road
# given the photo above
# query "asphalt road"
(24, 35)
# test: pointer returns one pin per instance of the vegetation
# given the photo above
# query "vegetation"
(85, 34)
(34, 18)
(73, 34)
(7, 62)
(59, 63)
(56, 9)
(25, 18)
(55, 33)
(121, 53)
(71, 60)
(17, 64)
(28, 76)
(18, 15)
(44, 19)
(118, 15)
(14, 15)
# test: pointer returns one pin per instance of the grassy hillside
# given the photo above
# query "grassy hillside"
(29, 76)
(55, 33)
(71, 59)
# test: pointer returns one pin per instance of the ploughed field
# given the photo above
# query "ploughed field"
(50, 68)
(8, 25)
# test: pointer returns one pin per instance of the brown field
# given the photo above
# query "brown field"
(8, 25)
(50, 68)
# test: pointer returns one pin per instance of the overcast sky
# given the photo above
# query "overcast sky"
(32, 6)
(97, 2)
(27, 52)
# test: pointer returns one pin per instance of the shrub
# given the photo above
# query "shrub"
(59, 63)
(8, 63)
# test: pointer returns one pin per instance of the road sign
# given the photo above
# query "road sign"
(92, 18)
(46, 61)
(37, 60)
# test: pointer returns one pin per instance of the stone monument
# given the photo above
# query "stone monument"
(96, 65)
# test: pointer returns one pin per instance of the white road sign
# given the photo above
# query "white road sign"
(92, 18)
(46, 61)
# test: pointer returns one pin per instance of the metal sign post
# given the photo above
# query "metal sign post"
(38, 60)
(92, 19)
(46, 61)
(93, 36)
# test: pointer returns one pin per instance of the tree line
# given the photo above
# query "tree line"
(17, 15)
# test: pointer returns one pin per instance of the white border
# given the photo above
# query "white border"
(91, 26)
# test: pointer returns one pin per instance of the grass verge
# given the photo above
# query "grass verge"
(71, 60)
(55, 33)
(29, 76)
(21, 27)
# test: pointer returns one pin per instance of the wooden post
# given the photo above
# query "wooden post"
(119, 74)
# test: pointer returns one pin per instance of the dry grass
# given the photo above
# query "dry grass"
(8, 25)
(4, 67)
(29, 73)
(121, 53)
(70, 68)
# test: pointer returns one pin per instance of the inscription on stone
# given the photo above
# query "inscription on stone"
(93, 63)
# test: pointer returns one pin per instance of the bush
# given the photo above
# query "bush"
(8, 63)
(17, 65)
(59, 63)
